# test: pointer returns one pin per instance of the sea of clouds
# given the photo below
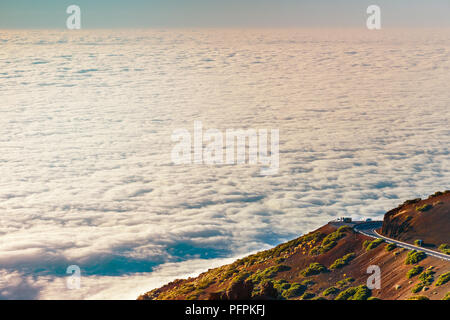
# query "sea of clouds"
(86, 118)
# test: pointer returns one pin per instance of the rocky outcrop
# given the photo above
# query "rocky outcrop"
(268, 292)
(240, 290)
(395, 225)
(426, 219)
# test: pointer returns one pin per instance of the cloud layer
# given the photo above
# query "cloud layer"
(85, 133)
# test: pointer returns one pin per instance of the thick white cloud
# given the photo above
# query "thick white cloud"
(16, 285)
(85, 138)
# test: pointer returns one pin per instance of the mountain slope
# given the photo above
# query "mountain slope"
(332, 263)
(426, 220)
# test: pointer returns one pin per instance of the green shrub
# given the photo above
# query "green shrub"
(295, 290)
(414, 257)
(355, 293)
(240, 277)
(418, 298)
(366, 243)
(412, 201)
(330, 290)
(335, 236)
(279, 250)
(279, 260)
(418, 243)
(373, 298)
(424, 207)
(331, 240)
(373, 244)
(205, 283)
(345, 282)
(414, 271)
(308, 296)
(444, 248)
(436, 194)
(281, 285)
(313, 269)
(345, 229)
(308, 282)
(228, 273)
(443, 279)
(427, 277)
(447, 296)
(268, 273)
(390, 246)
(341, 262)
(417, 288)
(193, 296)
(346, 294)
(362, 293)
(275, 269)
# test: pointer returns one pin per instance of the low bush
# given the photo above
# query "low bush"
(445, 248)
(331, 240)
(427, 277)
(443, 279)
(355, 293)
(414, 257)
(366, 243)
(417, 288)
(313, 269)
(424, 207)
(205, 283)
(345, 282)
(373, 244)
(345, 229)
(418, 298)
(281, 285)
(240, 277)
(390, 246)
(341, 262)
(281, 249)
(362, 293)
(436, 194)
(330, 291)
(308, 282)
(279, 260)
(295, 290)
(447, 296)
(228, 273)
(268, 273)
(412, 201)
(414, 271)
(308, 296)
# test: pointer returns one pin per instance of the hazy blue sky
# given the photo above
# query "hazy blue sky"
(218, 13)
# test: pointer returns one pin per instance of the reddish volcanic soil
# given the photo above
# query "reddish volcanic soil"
(406, 223)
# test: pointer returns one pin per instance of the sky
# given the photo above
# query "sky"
(25, 14)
